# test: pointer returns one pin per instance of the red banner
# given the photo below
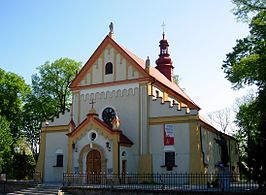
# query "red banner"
(169, 137)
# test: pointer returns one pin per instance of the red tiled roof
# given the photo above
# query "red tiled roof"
(125, 140)
(138, 60)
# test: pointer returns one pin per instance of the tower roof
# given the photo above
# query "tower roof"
(164, 62)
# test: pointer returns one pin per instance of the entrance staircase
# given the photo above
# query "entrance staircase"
(41, 189)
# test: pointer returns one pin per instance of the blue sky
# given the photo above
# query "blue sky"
(200, 34)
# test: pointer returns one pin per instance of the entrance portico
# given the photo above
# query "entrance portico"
(95, 147)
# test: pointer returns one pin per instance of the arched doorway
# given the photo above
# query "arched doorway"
(94, 167)
(94, 162)
(85, 154)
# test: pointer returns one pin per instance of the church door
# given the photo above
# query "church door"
(94, 166)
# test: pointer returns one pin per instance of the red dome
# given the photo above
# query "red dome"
(164, 62)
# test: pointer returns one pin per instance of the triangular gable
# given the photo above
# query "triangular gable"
(136, 62)
(92, 118)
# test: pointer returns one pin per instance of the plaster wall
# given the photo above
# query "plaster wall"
(161, 109)
(121, 67)
(210, 149)
(234, 155)
(131, 160)
(55, 142)
(97, 71)
(181, 147)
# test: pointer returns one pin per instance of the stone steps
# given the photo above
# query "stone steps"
(39, 190)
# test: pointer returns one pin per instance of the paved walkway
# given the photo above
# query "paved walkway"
(42, 189)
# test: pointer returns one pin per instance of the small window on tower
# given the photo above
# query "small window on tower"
(109, 68)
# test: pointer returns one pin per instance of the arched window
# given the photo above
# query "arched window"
(109, 68)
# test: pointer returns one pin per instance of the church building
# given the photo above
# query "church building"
(129, 116)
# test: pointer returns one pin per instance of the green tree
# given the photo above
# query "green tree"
(246, 7)
(35, 111)
(13, 91)
(50, 95)
(23, 165)
(246, 65)
(176, 79)
(6, 141)
(53, 81)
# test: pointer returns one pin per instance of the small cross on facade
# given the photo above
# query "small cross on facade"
(92, 103)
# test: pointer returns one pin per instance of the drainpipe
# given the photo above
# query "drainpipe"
(118, 164)
(201, 147)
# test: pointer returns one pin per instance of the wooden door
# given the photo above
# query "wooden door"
(94, 166)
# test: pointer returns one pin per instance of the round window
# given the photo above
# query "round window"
(92, 135)
(124, 153)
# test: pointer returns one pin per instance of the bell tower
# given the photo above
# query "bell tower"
(164, 62)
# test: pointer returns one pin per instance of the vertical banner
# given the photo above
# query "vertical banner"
(169, 136)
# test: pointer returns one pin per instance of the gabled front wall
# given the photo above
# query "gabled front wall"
(122, 69)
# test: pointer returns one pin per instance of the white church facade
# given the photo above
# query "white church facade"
(130, 117)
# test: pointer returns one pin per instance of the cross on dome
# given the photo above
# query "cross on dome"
(163, 26)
